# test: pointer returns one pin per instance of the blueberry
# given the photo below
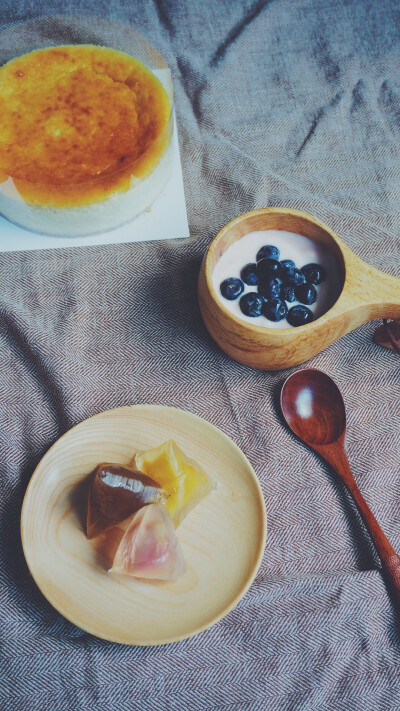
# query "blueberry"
(251, 304)
(249, 274)
(287, 264)
(287, 293)
(293, 276)
(270, 288)
(231, 288)
(306, 293)
(314, 273)
(275, 310)
(268, 268)
(299, 315)
(268, 252)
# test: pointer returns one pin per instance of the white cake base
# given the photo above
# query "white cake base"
(87, 219)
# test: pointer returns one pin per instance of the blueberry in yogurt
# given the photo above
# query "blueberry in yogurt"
(299, 315)
(293, 276)
(314, 273)
(275, 310)
(306, 294)
(231, 288)
(270, 288)
(287, 293)
(251, 304)
(268, 251)
(287, 264)
(249, 274)
(268, 268)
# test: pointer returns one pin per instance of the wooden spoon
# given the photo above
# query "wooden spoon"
(313, 407)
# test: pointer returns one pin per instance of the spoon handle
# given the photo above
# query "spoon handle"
(391, 568)
(335, 455)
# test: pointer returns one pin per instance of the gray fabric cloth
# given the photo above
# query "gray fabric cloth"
(279, 102)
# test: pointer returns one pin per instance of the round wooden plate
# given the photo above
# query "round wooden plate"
(223, 538)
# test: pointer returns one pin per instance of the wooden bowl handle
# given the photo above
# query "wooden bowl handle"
(377, 291)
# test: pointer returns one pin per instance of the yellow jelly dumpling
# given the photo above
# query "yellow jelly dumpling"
(186, 483)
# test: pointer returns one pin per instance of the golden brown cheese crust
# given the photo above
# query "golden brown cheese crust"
(77, 122)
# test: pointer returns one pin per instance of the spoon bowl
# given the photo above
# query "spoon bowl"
(313, 407)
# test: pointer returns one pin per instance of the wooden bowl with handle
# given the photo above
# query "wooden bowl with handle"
(365, 293)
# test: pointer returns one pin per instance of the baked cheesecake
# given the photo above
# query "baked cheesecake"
(85, 139)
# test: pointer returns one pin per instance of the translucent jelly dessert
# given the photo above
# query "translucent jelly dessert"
(184, 480)
(149, 548)
(277, 279)
(85, 139)
(138, 510)
(117, 492)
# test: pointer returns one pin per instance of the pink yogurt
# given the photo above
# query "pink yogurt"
(301, 250)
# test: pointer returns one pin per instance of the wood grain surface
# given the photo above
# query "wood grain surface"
(366, 294)
(223, 538)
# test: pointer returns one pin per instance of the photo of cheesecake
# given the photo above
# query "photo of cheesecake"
(85, 139)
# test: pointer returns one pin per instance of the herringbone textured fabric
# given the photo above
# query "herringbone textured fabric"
(279, 102)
